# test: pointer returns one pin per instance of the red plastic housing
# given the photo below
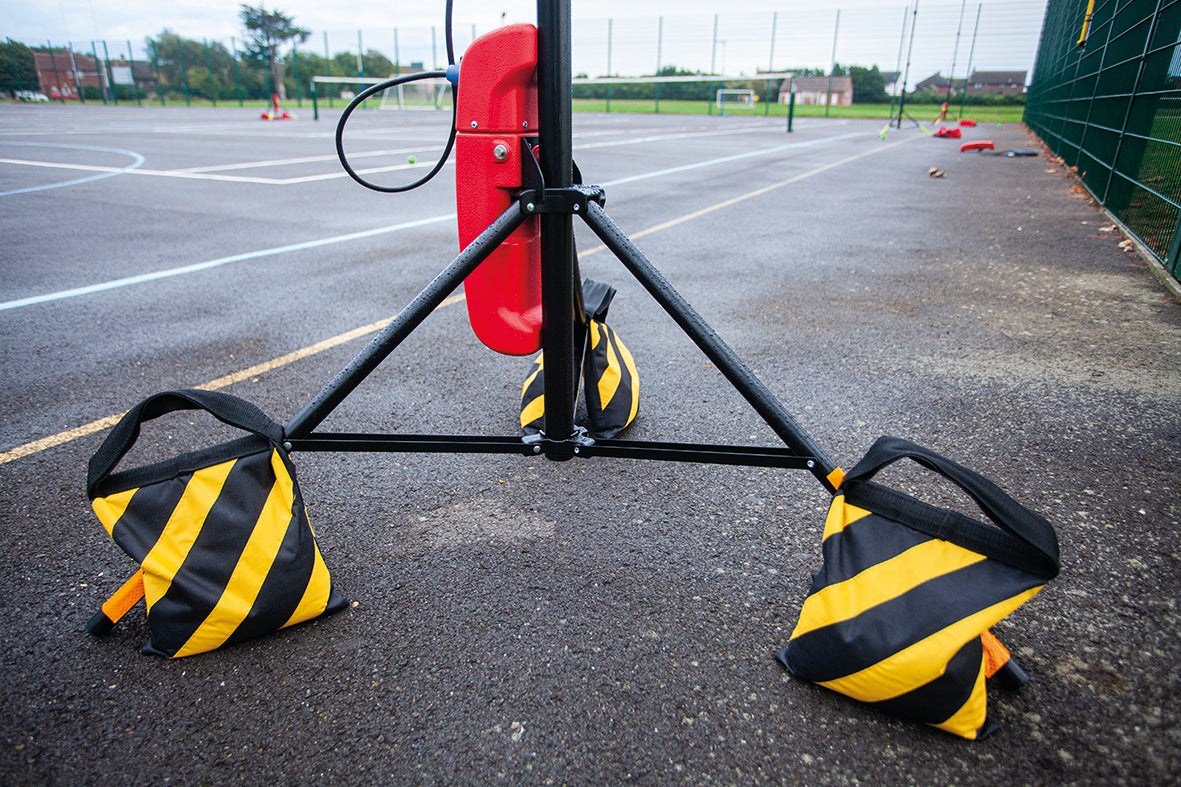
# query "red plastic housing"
(497, 107)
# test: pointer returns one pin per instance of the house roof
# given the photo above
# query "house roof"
(839, 84)
(998, 77)
(44, 61)
(935, 80)
(891, 76)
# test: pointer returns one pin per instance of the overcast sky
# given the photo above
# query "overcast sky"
(868, 32)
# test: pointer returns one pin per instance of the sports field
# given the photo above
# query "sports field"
(594, 621)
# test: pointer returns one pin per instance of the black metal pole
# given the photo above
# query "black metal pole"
(727, 361)
(407, 320)
(563, 322)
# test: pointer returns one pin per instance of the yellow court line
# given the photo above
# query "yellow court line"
(221, 382)
(104, 423)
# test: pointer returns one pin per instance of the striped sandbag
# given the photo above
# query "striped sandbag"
(222, 535)
(899, 613)
(611, 386)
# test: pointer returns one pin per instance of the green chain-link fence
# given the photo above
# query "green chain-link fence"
(1106, 97)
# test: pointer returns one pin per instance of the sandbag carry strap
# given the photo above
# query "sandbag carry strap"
(1026, 540)
(226, 408)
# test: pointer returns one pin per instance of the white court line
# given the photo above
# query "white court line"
(207, 172)
(200, 266)
(106, 172)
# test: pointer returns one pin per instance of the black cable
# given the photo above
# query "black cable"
(369, 91)
(366, 93)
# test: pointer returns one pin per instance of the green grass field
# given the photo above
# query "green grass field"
(920, 112)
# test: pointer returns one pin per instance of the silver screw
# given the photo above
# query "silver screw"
(577, 450)
(500, 152)
(529, 206)
(525, 124)
(811, 464)
(537, 449)
(577, 207)
(475, 124)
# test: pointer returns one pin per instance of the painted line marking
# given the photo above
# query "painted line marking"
(106, 172)
(202, 266)
(208, 172)
(70, 435)
(60, 438)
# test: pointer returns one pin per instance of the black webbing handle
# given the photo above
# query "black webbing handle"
(225, 407)
(1026, 540)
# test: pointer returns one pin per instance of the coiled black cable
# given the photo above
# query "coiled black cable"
(394, 82)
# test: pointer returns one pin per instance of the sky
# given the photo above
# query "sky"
(750, 34)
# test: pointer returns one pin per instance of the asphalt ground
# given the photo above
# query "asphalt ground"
(594, 621)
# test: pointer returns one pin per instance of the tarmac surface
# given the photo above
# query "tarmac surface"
(594, 621)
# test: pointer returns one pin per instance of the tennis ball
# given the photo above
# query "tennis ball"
(412, 159)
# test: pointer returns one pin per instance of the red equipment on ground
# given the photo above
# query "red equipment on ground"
(966, 122)
(949, 133)
(276, 112)
(496, 113)
(982, 144)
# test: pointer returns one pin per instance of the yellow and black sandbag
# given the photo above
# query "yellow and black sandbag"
(610, 381)
(899, 613)
(225, 549)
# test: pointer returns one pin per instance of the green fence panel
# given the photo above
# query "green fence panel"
(1106, 97)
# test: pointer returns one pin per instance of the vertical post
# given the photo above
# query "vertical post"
(955, 50)
(237, 72)
(898, 64)
(659, 46)
(609, 64)
(771, 55)
(295, 69)
(134, 84)
(434, 50)
(713, 58)
(109, 74)
(397, 57)
(914, 18)
(159, 77)
(315, 106)
(360, 64)
(328, 65)
(209, 70)
(53, 64)
(102, 88)
(971, 56)
(184, 73)
(563, 322)
(835, 29)
(77, 76)
(791, 103)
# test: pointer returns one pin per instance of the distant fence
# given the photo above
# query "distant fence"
(945, 38)
(1106, 97)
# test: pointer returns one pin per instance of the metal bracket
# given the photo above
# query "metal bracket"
(573, 200)
(535, 198)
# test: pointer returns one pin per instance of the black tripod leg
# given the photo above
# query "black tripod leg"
(406, 321)
(737, 372)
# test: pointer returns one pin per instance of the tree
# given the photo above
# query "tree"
(186, 62)
(266, 31)
(17, 69)
(869, 86)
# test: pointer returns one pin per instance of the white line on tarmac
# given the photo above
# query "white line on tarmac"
(201, 266)
(106, 172)
(36, 446)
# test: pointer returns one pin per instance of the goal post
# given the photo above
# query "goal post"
(429, 94)
(734, 98)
